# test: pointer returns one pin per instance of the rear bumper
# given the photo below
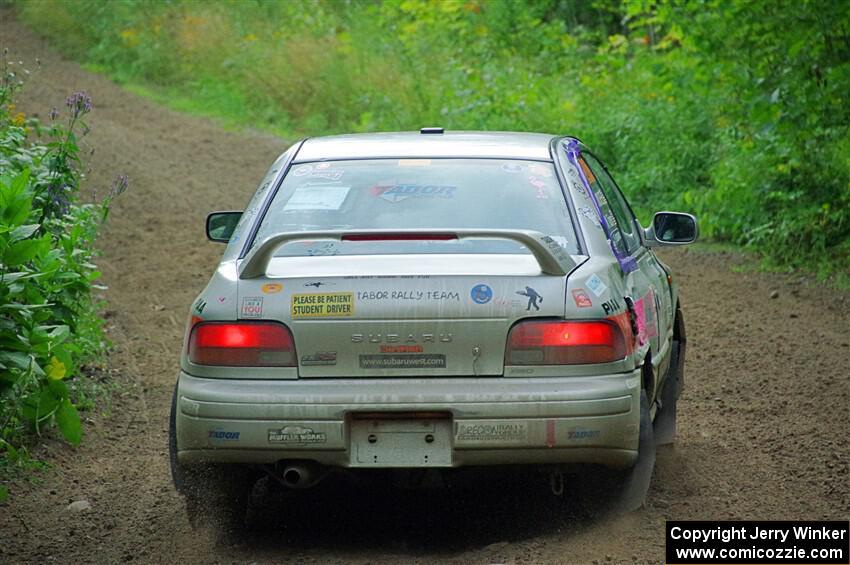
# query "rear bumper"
(489, 421)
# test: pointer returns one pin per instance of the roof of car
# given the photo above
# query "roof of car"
(512, 145)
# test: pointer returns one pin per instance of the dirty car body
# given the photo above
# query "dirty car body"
(430, 300)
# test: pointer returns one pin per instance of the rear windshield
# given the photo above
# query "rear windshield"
(439, 194)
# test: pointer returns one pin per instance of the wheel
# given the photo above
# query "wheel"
(632, 484)
(218, 496)
(215, 494)
(603, 490)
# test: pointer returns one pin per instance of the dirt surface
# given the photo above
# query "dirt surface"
(763, 431)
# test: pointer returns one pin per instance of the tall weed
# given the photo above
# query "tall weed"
(50, 330)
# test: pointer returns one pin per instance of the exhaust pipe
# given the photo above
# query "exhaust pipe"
(300, 475)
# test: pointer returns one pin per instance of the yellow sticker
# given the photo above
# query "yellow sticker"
(414, 162)
(323, 305)
(587, 172)
(272, 288)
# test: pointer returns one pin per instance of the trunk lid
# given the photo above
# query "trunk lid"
(379, 315)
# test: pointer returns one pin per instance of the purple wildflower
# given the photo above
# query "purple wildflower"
(79, 103)
(58, 199)
(119, 185)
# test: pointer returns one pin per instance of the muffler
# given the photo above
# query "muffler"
(299, 475)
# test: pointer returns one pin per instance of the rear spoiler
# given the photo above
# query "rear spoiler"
(551, 257)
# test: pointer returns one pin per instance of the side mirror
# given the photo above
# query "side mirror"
(220, 225)
(671, 228)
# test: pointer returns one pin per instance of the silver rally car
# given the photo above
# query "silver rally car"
(429, 300)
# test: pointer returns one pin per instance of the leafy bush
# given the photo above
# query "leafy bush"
(49, 325)
(734, 110)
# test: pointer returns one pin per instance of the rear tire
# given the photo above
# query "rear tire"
(215, 495)
(632, 484)
(603, 490)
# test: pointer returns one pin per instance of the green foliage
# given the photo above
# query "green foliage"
(49, 327)
(735, 110)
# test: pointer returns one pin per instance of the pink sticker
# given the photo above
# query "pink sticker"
(645, 313)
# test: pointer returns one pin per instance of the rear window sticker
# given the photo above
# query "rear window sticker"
(581, 298)
(317, 197)
(414, 162)
(394, 192)
(511, 167)
(596, 286)
(317, 284)
(318, 171)
(271, 288)
(540, 186)
(481, 294)
(302, 170)
(327, 175)
(533, 297)
(252, 307)
(324, 305)
(541, 170)
(536, 182)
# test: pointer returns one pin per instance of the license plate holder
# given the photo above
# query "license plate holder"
(401, 443)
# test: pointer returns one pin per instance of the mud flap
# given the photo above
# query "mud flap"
(665, 421)
(176, 472)
(635, 481)
(604, 491)
(215, 495)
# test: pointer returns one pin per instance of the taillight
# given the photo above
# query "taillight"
(243, 344)
(565, 343)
